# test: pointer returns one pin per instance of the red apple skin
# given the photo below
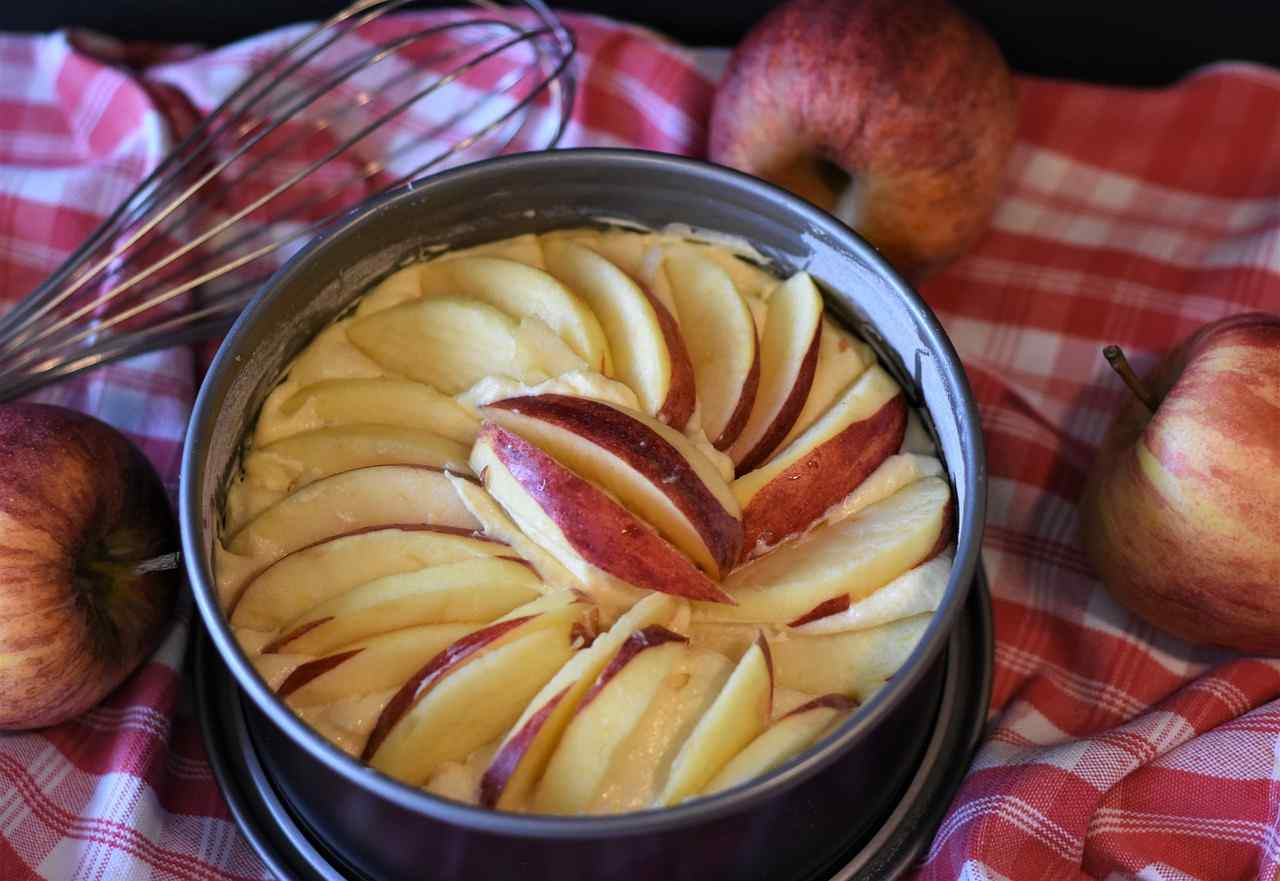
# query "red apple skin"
(1179, 514)
(494, 781)
(77, 501)
(742, 410)
(646, 638)
(602, 531)
(682, 396)
(837, 604)
(788, 413)
(794, 499)
(910, 97)
(417, 686)
(313, 669)
(650, 455)
(833, 606)
(838, 702)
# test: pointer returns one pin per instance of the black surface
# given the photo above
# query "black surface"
(293, 853)
(1102, 40)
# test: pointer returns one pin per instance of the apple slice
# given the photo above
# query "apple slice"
(470, 590)
(377, 664)
(406, 284)
(312, 575)
(895, 472)
(786, 495)
(652, 469)
(524, 248)
(300, 459)
(648, 350)
(338, 402)
(277, 469)
(632, 252)
(603, 589)
(721, 335)
(577, 522)
(842, 358)
(465, 697)
(383, 495)
(855, 664)
(398, 287)
(449, 343)
(788, 357)
(608, 712)
(694, 684)
(916, 592)
(579, 383)
(524, 752)
(783, 740)
(740, 712)
(854, 557)
(518, 290)
(728, 638)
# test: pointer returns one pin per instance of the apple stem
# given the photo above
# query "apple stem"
(162, 563)
(1120, 364)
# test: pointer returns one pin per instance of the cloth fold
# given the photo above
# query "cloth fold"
(1130, 216)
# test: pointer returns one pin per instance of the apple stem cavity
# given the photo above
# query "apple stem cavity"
(1120, 364)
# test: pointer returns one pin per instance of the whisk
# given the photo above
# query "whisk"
(354, 106)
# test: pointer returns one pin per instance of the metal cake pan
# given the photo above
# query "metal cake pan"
(294, 852)
(796, 818)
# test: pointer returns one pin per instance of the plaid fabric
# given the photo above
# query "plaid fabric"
(1130, 217)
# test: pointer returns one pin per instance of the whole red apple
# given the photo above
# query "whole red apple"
(80, 509)
(1181, 513)
(908, 98)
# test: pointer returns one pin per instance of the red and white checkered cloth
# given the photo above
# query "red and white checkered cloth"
(1130, 217)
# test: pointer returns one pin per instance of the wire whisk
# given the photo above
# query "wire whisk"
(354, 106)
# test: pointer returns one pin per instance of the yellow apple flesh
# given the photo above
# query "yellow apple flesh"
(451, 343)
(739, 713)
(337, 402)
(645, 342)
(606, 715)
(471, 590)
(783, 740)
(721, 335)
(854, 557)
(525, 751)
(383, 495)
(791, 491)
(273, 471)
(472, 691)
(788, 358)
(312, 575)
(841, 359)
(375, 664)
(517, 289)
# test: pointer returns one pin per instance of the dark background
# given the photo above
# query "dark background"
(1121, 41)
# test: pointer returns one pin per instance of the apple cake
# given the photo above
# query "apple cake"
(587, 522)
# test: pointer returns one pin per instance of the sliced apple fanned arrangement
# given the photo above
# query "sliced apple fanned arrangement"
(587, 522)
